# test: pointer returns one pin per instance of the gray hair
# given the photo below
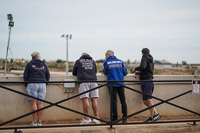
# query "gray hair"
(110, 53)
(84, 53)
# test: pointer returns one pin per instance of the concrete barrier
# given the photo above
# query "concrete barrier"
(13, 105)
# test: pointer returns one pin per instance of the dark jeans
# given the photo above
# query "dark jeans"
(120, 91)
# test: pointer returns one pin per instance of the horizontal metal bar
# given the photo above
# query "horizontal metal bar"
(158, 122)
(133, 123)
(97, 81)
(51, 126)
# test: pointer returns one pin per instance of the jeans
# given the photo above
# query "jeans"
(37, 90)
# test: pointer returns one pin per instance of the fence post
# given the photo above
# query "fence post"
(111, 104)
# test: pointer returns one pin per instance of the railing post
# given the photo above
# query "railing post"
(111, 104)
(194, 123)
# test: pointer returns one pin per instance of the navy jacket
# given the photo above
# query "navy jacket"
(36, 70)
(114, 69)
(146, 67)
(85, 68)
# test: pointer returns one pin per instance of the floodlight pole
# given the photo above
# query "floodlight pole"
(67, 64)
(67, 53)
(5, 67)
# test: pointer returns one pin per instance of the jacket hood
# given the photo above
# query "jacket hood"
(149, 57)
(37, 61)
(85, 57)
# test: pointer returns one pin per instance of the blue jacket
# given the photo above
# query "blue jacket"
(36, 70)
(85, 68)
(114, 69)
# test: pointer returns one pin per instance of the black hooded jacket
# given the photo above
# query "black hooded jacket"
(85, 68)
(146, 67)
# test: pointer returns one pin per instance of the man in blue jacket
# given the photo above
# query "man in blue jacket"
(115, 70)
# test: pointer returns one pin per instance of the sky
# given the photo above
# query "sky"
(169, 28)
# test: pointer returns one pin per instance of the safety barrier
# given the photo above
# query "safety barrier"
(110, 122)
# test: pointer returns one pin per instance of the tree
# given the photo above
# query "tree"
(184, 63)
(59, 61)
(11, 60)
(100, 60)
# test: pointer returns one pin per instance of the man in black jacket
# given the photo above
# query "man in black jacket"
(85, 69)
(146, 73)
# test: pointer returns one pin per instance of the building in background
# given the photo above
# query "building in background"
(163, 64)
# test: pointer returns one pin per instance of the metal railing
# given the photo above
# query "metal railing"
(104, 83)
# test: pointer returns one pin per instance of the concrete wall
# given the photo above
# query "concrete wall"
(13, 105)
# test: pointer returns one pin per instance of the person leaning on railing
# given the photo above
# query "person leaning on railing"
(115, 70)
(36, 70)
(85, 69)
(146, 73)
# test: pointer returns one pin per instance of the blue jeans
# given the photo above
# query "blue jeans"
(37, 90)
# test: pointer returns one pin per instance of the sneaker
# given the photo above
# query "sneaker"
(149, 120)
(84, 121)
(39, 123)
(156, 117)
(96, 121)
(34, 124)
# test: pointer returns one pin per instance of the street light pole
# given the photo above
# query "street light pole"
(11, 24)
(67, 64)
(67, 53)
(5, 67)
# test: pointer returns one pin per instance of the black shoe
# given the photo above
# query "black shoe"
(124, 121)
(149, 120)
(156, 117)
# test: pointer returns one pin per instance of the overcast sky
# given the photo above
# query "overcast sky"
(169, 28)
